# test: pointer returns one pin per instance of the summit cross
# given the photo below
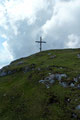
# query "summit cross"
(40, 43)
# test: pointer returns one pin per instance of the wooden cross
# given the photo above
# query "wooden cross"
(40, 43)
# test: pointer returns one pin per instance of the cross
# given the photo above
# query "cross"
(40, 43)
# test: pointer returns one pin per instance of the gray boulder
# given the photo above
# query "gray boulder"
(78, 55)
(78, 107)
(52, 57)
(3, 73)
(20, 62)
(72, 85)
(49, 53)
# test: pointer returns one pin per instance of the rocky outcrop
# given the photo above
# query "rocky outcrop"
(25, 69)
(4, 72)
(51, 79)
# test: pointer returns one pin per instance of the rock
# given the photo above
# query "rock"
(52, 81)
(5, 95)
(3, 73)
(60, 76)
(47, 86)
(67, 100)
(20, 62)
(26, 69)
(51, 76)
(39, 69)
(29, 68)
(78, 55)
(78, 107)
(79, 76)
(63, 84)
(6, 72)
(49, 53)
(49, 73)
(52, 57)
(72, 85)
(48, 81)
(78, 86)
(74, 115)
(61, 68)
(76, 80)
(41, 81)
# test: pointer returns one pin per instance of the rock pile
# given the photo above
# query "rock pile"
(25, 69)
(51, 79)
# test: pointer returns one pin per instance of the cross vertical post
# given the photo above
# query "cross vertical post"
(40, 43)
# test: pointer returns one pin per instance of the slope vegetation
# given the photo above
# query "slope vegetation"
(44, 86)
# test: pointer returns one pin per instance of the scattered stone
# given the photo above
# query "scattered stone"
(3, 73)
(67, 99)
(39, 69)
(78, 86)
(61, 68)
(64, 84)
(6, 72)
(5, 95)
(29, 68)
(49, 73)
(20, 62)
(51, 76)
(72, 85)
(49, 53)
(76, 80)
(60, 76)
(52, 57)
(41, 81)
(48, 81)
(78, 55)
(47, 86)
(73, 115)
(78, 107)
(79, 76)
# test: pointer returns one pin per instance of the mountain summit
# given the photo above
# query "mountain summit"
(44, 86)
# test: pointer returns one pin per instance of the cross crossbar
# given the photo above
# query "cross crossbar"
(40, 43)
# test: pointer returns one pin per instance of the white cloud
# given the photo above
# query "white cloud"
(64, 21)
(5, 55)
(22, 22)
(73, 41)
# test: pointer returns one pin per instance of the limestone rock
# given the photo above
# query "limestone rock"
(78, 107)
(52, 57)
(20, 62)
(78, 55)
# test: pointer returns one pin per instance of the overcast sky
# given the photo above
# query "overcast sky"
(22, 22)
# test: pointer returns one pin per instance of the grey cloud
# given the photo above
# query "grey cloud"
(58, 23)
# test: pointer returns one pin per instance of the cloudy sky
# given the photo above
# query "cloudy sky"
(22, 22)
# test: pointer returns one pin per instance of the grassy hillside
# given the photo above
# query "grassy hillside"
(44, 86)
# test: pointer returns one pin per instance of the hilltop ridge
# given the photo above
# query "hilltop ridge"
(43, 86)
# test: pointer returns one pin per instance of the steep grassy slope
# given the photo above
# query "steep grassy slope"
(24, 97)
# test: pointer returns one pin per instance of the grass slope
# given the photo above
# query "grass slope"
(22, 97)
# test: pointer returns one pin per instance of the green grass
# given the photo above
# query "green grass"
(22, 97)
